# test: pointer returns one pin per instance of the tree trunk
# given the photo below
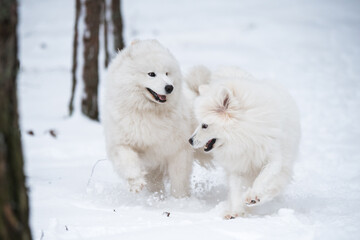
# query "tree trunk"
(14, 211)
(117, 25)
(96, 12)
(74, 59)
(105, 22)
(91, 51)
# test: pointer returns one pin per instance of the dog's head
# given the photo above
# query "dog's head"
(215, 110)
(154, 70)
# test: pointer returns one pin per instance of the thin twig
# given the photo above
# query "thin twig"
(93, 169)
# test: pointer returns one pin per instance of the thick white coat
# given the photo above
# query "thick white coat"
(257, 131)
(147, 140)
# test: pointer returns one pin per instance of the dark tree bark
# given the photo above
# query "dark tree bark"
(14, 212)
(106, 25)
(74, 57)
(90, 75)
(117, 25)
(96, 12)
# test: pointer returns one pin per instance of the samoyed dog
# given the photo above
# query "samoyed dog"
(252, 128)
(147, 119)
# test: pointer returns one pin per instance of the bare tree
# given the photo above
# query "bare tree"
(106, 33)
(14, 211)
(117, 25)
(74, 58)
(90, 75)
(95, 14)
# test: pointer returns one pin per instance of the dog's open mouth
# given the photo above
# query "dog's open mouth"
(157, 97)
(209, 145)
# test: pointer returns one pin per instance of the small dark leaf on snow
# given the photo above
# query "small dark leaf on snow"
(166, 213)
(53, 133)
(30, 132)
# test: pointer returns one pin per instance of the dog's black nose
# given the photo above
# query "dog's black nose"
(191, 141)
(169, 88)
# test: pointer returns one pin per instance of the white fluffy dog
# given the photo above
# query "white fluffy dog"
(253, 129)
(147, 119)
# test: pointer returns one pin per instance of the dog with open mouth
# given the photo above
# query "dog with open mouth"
(251, 127)
(147, 119)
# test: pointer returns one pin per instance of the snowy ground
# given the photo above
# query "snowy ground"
(312, 47)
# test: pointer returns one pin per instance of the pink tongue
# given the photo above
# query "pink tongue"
(162, 97)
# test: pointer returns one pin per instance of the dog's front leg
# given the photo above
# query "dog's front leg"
(179, 170)
(270, 181)
(128, 164)
(235, 205)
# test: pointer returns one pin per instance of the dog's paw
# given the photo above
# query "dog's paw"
(136, 184)
(232, 215)
(252, 198)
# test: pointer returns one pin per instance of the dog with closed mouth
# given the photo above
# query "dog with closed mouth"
(147, 119)
(251, 127)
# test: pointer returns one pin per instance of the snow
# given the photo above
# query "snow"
(312, 47)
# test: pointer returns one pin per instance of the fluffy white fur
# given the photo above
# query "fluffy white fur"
(147, 140)
(257, 132)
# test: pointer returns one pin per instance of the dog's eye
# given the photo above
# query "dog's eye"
(204, 126)
(167, 74)
(152, 74)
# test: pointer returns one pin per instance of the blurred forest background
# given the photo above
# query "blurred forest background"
(53, 57)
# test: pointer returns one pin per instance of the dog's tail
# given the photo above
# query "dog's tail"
(197, 76)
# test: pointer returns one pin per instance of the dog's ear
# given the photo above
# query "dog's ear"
(128, 50)
(204, 88)
(225, 97)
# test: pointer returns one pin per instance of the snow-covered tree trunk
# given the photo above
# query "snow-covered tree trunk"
(90, 75)
(105, 23)
(14, 211)
(117, 25)
(89, 15)
(74, 57)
